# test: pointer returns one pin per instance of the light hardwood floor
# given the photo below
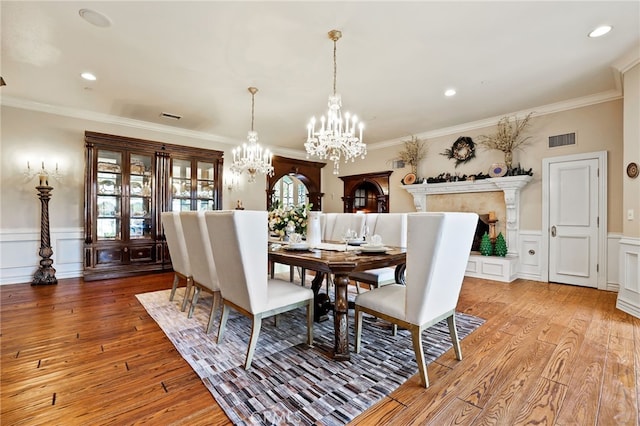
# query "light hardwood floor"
(88, 353)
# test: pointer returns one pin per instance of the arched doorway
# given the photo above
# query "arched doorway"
(367, 193)
(307, 173)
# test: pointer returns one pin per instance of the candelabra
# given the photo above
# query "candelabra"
(46, 273)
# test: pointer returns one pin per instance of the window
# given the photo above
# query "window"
(289, 191)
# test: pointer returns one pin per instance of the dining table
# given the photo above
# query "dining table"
(339, 260)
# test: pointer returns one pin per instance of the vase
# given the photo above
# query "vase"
(508, 160)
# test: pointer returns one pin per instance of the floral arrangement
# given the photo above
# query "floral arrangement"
(414, 151)
(280, 218)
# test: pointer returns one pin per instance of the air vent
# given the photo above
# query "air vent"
(170, 116)
(397, 164)
(562, 140)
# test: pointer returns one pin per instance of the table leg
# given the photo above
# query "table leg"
(321, 300)
(340, 318)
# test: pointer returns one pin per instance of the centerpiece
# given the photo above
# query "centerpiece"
(288, 220)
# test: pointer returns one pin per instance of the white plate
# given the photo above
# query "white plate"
(373, 249)
(298, 246)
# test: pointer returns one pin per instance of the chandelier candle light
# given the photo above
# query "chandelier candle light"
(252, 157)
(335, 136)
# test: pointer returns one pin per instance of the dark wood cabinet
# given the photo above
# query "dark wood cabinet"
(128, 183)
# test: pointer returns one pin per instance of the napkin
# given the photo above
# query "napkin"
(295, 238)
(375, 240)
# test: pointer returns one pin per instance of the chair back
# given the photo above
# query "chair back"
(344, 221)
(203, 268)
(175, 241)
(439, 245)
(392, 227)
(239, 240)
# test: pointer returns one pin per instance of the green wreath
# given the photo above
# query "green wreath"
(462, 150)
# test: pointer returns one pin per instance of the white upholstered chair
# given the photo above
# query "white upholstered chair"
(392, 227)
(438, 248)
(178, 252)
(203, 269)
(239, 242)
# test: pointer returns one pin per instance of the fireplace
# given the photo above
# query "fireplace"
(481, 229)
(490, 267)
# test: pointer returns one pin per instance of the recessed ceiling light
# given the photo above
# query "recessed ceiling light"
(88, 76)
(95, 18)
(600, 31)
(450, 92)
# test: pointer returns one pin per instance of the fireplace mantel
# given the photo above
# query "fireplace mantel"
(509, 185)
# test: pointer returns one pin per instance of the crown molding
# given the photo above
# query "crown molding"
(588, 100)
(596, 98)
(112, 119)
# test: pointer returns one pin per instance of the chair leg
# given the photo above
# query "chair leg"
(223, 322)
(176, 280)
(358, 287)
(310, 323)
(187, 291)
(194, 300)
(255, 331)
(394, 329)
(454, 336)
(416, 337)
(214, 308)
(358, 329)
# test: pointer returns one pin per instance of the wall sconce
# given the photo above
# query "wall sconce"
(232, 182)
(46, 274)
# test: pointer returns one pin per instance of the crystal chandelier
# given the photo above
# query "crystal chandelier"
(335, 137)
(252, 157)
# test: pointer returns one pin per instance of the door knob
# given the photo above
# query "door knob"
(553, 231)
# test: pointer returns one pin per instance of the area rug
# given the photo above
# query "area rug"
(290, 382)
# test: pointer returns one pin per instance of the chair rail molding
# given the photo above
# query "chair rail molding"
(509, 185)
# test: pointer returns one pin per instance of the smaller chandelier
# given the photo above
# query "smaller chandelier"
(251, 157)
(335, 137)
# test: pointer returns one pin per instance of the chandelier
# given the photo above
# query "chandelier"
(251, 157)
(335, 136)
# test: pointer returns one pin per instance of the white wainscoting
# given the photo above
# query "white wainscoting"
(613, 263)
(19, 253)
(629, 276)
(530, 265)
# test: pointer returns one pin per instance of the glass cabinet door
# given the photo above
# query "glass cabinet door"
(109, 195)
(206, 186)
(140, 191)
(180, 185)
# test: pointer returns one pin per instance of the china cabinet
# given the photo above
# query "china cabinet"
(128, 183)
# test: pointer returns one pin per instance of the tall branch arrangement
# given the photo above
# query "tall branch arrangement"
(414, 151)
(509, 135)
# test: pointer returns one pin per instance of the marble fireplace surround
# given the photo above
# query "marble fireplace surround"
(502, 269)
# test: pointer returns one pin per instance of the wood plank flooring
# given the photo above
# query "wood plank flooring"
(88, 353)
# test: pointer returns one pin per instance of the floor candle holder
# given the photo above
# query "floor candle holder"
(46, 274)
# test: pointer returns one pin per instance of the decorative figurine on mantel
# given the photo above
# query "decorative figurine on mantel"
(239, 205)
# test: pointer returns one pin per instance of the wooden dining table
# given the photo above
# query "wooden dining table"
(340, 264)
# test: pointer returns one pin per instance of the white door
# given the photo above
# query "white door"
(573, 222)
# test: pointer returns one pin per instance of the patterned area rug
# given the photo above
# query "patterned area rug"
(289, 382)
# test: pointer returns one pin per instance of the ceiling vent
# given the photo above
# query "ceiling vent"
(562, 140)
(170, 116)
